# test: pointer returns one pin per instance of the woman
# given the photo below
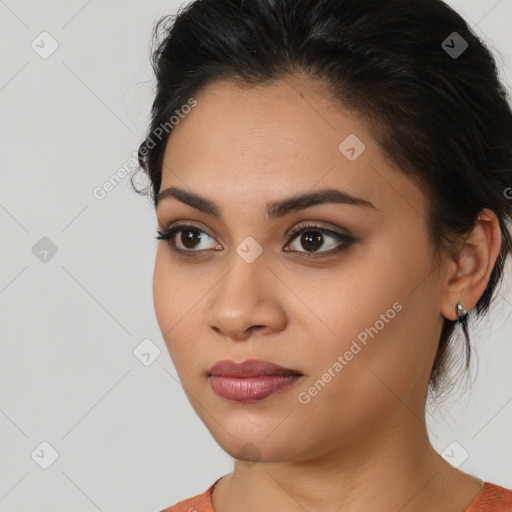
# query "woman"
(332, 186)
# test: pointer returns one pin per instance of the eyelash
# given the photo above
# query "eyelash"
(344, 239)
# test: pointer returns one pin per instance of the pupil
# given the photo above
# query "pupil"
(314, 241)
(188, 240)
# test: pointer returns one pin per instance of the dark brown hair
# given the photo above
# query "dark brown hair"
(437, 108)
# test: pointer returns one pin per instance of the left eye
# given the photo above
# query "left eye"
(312, 238)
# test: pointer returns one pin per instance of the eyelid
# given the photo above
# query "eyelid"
(321, 226)
(190, 224)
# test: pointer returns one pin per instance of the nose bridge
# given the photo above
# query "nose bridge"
(248, 268)
(243, 298)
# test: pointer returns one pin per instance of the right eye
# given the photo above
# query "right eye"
(189, 239)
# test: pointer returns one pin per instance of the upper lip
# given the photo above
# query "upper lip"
(249, 368)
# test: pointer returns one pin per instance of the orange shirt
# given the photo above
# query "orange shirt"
(492, 498)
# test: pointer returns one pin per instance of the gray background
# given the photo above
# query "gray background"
(126, 437)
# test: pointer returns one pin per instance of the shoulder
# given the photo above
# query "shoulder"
(199, 503)
(493, 498)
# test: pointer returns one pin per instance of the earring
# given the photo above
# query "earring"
(461, 312)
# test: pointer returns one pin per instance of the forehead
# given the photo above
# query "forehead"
(288, 136)
(286, 116)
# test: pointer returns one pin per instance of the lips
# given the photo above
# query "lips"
(250, 381)
(249, 368)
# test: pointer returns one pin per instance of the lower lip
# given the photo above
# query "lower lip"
(251, 389)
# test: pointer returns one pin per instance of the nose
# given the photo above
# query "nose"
(247, 300)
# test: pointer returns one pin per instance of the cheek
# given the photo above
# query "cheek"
(169, 299)
(162, 298)
(177, 309)
(367, 315)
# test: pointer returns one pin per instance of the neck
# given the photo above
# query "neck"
(384, 469)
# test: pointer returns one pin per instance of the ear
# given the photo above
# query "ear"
(469, 270)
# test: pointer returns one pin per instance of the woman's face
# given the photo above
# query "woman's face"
(361, 324)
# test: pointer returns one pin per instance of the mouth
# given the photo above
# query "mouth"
(250, 381)
(249, 368)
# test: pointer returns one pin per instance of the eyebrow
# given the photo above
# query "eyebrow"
(275, 209)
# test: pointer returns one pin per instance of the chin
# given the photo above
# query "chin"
(253, 447)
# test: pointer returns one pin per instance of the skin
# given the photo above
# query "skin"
(361, 442)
